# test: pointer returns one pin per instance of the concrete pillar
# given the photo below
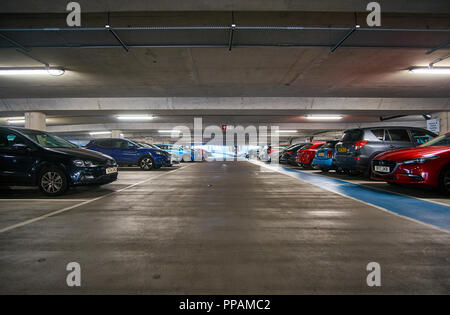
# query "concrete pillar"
(444, 118)
(35, 120)
(116, 134)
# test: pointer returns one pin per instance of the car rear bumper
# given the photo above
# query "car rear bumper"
(323, 162)
(351, 162)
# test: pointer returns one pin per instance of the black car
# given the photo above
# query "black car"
(358, 147)
(36, 158)
(289, 154)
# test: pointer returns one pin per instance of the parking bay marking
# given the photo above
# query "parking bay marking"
(436, 215)
(50, 214)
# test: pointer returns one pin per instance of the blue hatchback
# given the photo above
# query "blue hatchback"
(127, 152)
(324, 156)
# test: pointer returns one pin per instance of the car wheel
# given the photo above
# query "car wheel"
(146, 163)
(325, 170)
(444, 181)
(53, 182)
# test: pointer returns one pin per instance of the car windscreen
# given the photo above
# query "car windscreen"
(47, 140)
(352, 135)
(443, 140)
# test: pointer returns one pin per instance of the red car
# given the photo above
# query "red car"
(306, 155)
(427, 164)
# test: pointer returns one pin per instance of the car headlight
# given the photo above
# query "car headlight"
(420, 160)
(84, 163)
(158, 152)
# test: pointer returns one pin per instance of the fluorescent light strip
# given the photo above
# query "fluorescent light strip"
(169, 131)
(16, 121)
(32, 71)
(287, 131)
(324, 117)
(94, 133)
(134, 117)
(427, 70)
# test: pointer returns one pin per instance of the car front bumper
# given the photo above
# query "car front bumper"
(92, 176)
(414, 174)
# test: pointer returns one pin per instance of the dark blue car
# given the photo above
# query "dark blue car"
(127, 152)
(36, 158)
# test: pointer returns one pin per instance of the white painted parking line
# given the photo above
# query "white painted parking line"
(11, 227)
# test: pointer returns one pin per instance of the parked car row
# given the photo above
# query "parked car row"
(36, 158)
(397, 155)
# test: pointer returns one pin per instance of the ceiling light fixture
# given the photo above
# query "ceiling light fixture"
(287, 131)
(324, 117)
(430, 70)
(134, 117)
(94, 133)
(169, 131)
(16, 121)
(32, 71)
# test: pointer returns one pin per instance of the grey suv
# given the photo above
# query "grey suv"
(359, 146)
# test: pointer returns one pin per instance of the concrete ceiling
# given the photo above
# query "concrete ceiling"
(370, 64)
(312, 70)
(45, 6)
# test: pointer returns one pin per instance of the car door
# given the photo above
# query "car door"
(125, 151)
(16, 161)
(397, 138)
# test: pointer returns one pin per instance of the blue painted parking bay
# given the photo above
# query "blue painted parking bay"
(421, 210)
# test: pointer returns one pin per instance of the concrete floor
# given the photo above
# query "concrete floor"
(214, 227)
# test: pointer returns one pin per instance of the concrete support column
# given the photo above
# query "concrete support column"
(116, 134)
(444, 118)
(35, 120)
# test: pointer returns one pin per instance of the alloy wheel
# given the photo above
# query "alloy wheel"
(146, 163)
(51, 182)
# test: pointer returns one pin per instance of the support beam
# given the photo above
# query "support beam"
(116, 134)
(444, 118)
(35, 120)
(307, 105)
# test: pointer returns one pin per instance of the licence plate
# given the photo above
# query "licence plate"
(342, 149)
(321, 154)
(111, 170)
(382, 169)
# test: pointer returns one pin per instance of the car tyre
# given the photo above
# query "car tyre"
(444, 181)
(325, 170)
(146, 163)
(53, 182)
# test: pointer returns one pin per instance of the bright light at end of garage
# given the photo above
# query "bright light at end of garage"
(432, 70)
(324, 117)
(134, 117)
(32, 71)
(94, 133)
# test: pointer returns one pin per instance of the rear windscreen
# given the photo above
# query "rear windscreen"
(352, 135)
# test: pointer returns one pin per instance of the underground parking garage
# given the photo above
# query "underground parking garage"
(258, 148)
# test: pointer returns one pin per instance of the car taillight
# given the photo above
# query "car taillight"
(329, 154)
(289, 152)
(360, 144)
(269, 151)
